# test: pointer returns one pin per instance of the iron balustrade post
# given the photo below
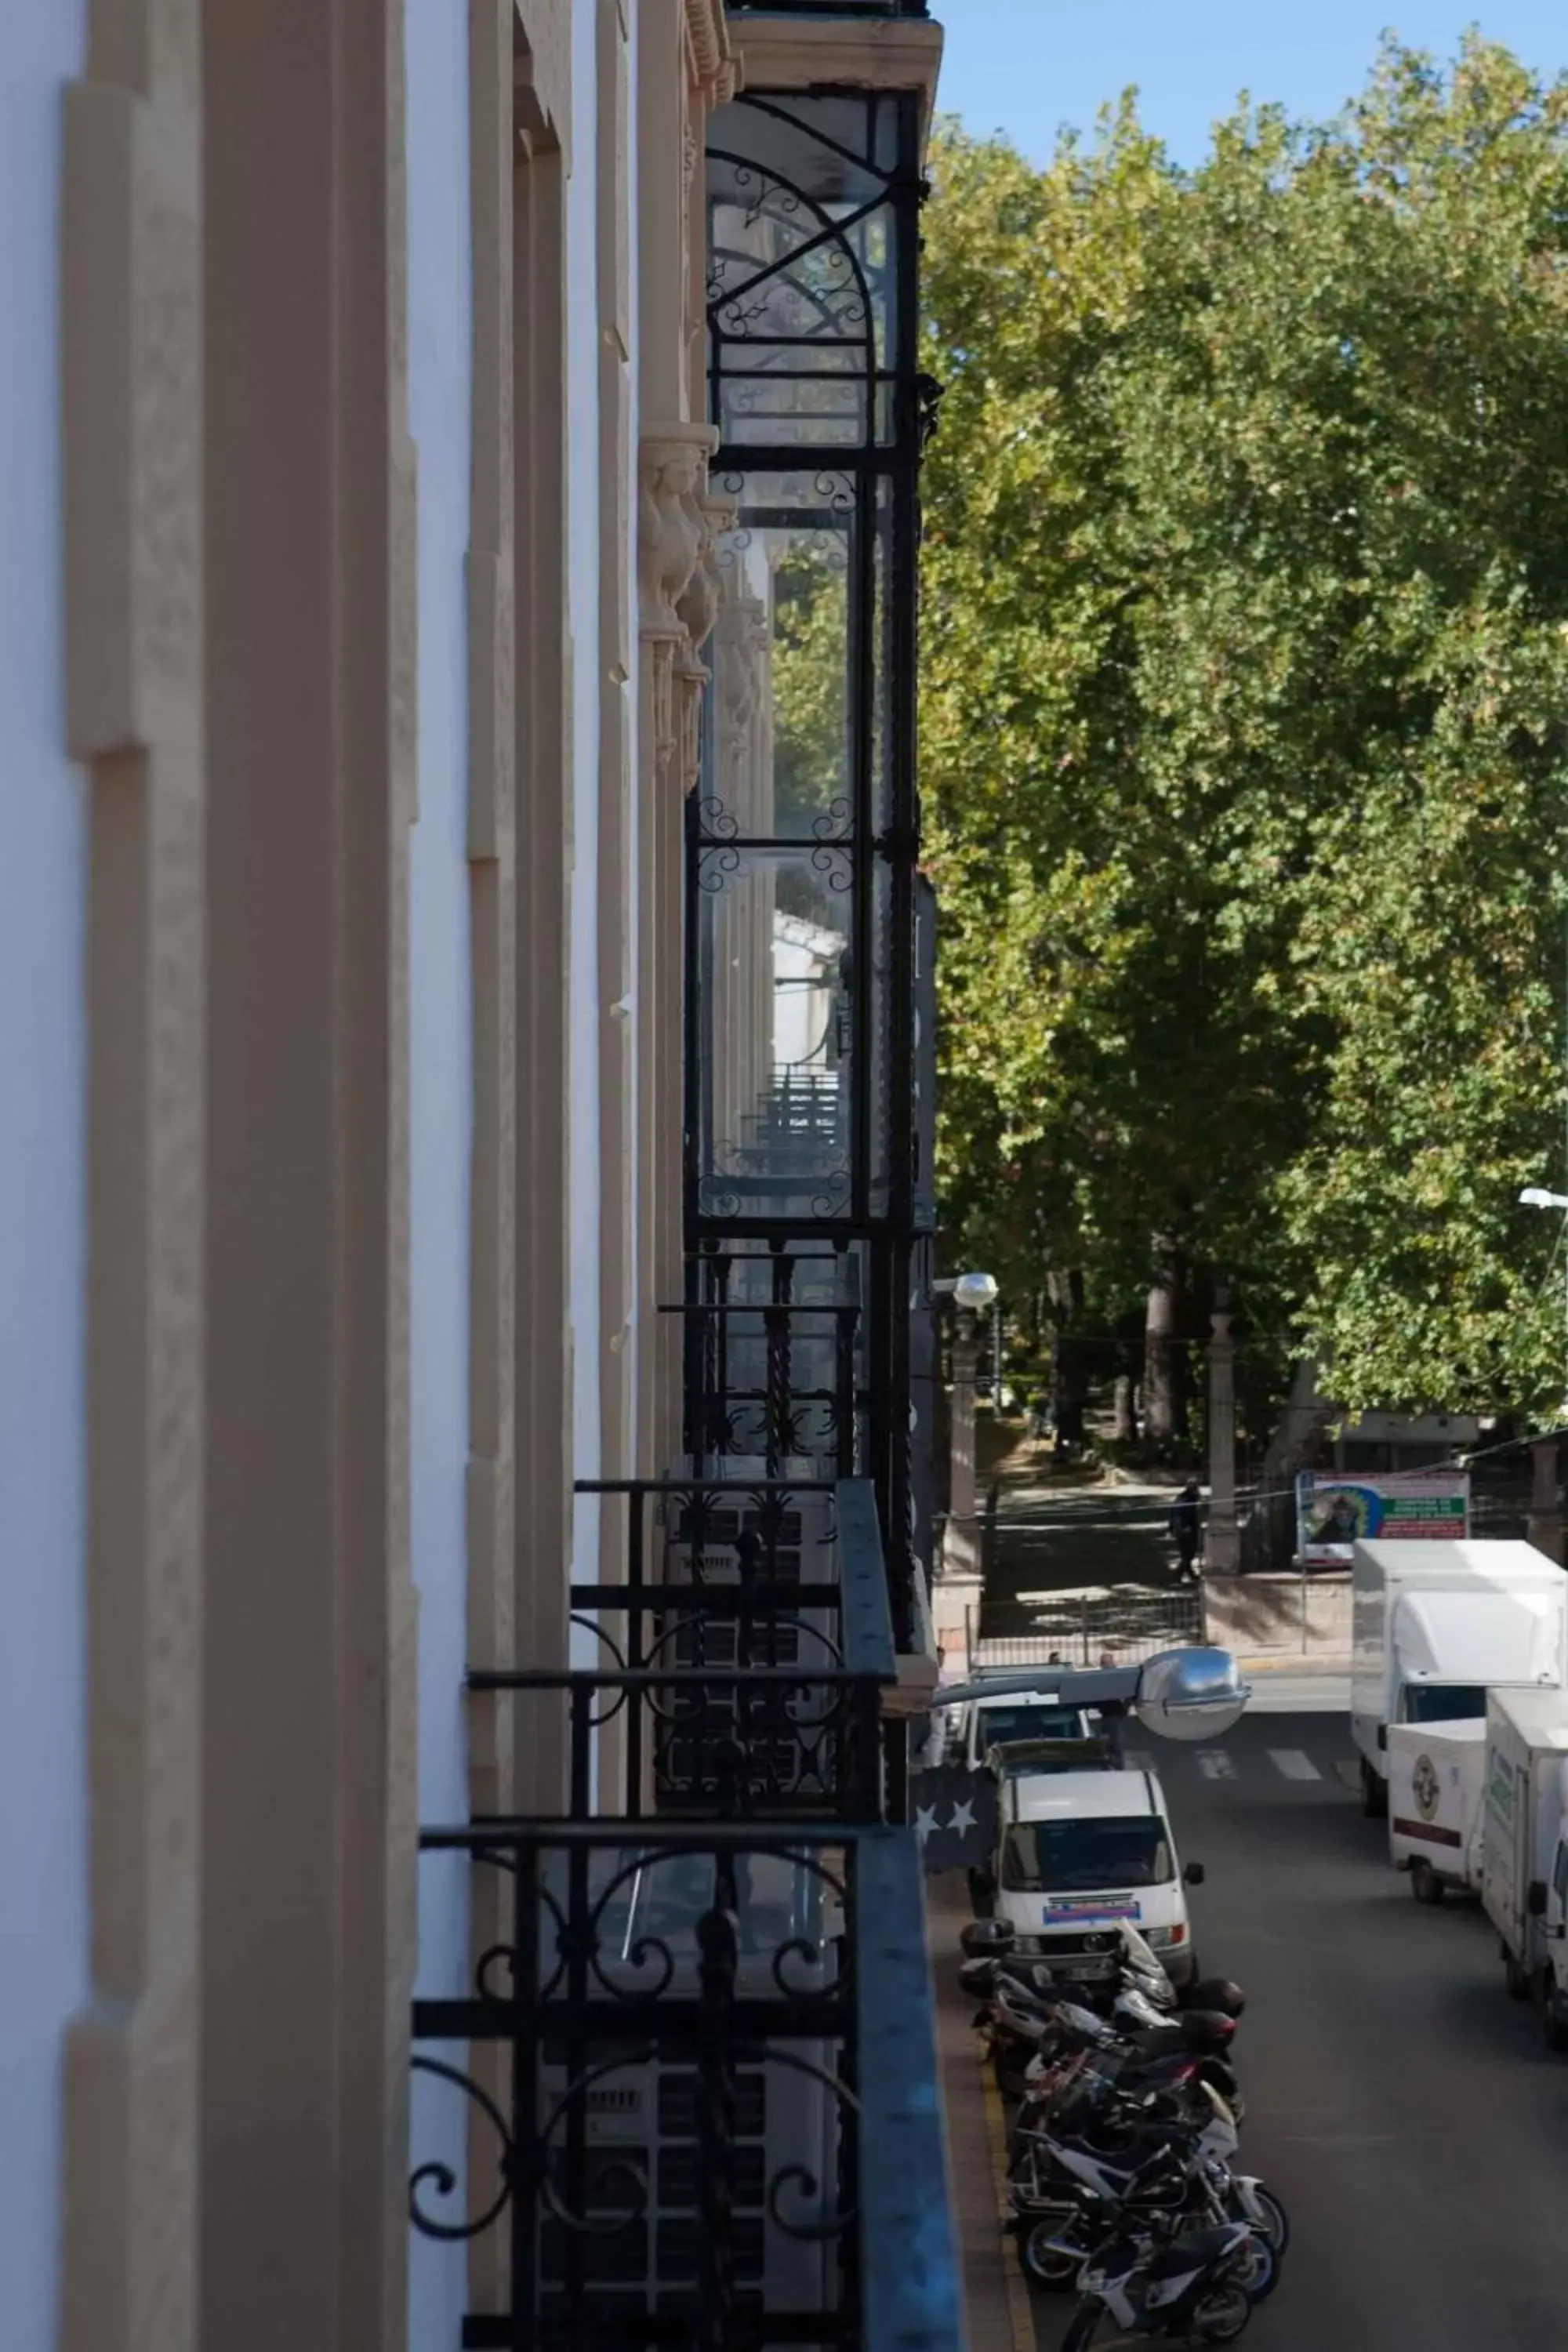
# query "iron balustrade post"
(776, 1408)
(528, 2155)
(718, 1939)
(844, 1321)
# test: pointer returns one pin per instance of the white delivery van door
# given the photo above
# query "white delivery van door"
(1557, 1920)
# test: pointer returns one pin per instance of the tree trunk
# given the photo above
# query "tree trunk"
(1126, 1428)
(1160, 1410)
(1268, 1533)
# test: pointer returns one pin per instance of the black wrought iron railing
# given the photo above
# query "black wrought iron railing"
(702, 2058)
(771, 1355)
(739, 1665)
(700, 2022)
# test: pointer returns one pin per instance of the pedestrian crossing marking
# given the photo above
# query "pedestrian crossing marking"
(1218, 1764)
(1294, 1763)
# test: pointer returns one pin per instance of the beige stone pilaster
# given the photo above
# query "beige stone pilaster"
(309, 1752)
(131, 372)
(543, 654)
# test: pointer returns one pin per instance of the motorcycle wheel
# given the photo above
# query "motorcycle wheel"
(1043, 2266)
(1222, 2315)
(1258, 2273)
(1275, 2225)
(1084, 2325)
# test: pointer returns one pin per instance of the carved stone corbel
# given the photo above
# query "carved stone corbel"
(673, 533)
(698, 609)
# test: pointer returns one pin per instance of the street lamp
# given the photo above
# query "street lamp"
(958, 1570)
(976, 1292)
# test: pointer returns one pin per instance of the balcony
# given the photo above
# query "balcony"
(693, 2054)
(702, 2017)
(741, 1665)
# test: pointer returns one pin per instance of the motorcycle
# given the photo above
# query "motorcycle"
(1022, 2032)
(1064, 2193)
(1148, 2284)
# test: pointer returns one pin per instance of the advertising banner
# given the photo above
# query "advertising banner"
(1426, 1506)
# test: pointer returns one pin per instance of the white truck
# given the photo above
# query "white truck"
(1524, 1847)
(1435, 1626)
(1436, 1775)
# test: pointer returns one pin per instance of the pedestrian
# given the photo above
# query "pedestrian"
(1186, 1526)
(1056, 1659)
(1107, 1660)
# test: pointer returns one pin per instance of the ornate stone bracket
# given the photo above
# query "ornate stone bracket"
(677, 582)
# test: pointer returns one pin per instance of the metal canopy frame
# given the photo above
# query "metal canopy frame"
(814, 386)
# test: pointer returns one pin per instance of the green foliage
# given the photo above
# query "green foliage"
(1245, 719)
(811, 623)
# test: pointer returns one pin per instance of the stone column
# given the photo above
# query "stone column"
(957, 1592)
(1223, 1550)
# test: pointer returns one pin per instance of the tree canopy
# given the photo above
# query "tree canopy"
(1245, 717)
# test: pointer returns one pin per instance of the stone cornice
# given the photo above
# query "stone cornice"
(796, 53)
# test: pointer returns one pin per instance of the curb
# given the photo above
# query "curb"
(1020, 2312)
(1295, 1662)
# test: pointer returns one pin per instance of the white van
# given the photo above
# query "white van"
(1094, 1850)
(983, 1724)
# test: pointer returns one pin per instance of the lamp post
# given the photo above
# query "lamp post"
(1224, 1545)
(958, 1574)
(1545, 1522)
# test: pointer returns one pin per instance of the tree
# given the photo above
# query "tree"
(1244, 719)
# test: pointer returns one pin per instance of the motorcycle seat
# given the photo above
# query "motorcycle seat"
(1187, 2252)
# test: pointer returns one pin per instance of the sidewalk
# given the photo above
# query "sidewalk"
(997, 2314)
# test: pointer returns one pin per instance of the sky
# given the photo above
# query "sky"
(1026, 65)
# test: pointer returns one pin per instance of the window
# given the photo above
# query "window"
(1445, 1703)
(1086, 1857)
(996, 1725)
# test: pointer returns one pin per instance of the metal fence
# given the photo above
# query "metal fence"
(1132, 1623)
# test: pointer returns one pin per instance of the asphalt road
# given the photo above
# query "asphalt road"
(1405, 2109)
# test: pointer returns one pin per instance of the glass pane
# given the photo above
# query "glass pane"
(783, 742)
(775, 1029)
(801, 234)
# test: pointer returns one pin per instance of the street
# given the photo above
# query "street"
(1404, 2110)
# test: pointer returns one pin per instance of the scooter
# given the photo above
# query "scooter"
(1066, 2193)
(1145, 2284)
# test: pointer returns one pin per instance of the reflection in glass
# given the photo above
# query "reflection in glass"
(776, 1041)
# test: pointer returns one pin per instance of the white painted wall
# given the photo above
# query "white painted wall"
(441, 1056)
(582, 609)
(43, 881)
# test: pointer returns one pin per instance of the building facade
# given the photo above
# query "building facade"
(467, 1202)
